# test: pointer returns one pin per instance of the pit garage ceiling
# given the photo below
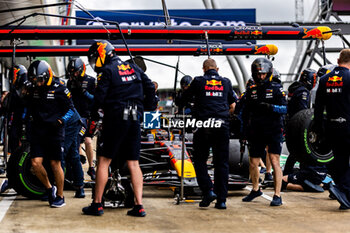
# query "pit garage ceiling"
(7, 17)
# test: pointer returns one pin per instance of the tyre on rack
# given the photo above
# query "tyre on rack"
(21, 176)
(237, 166)
(302, 140)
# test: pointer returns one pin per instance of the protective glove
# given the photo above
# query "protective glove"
(92, 127)
(265, 106)
(95, 116)
(187, 111)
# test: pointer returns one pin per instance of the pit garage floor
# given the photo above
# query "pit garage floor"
(301, 212)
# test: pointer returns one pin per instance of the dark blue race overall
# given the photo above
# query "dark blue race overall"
(47, 105)
(122, 86)
(333, 95)
(263, 117)
(213, 96)
(82, 96)
(298, 98)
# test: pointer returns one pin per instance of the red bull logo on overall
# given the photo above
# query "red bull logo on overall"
(125, 70)
(214, 82)
(335, 81)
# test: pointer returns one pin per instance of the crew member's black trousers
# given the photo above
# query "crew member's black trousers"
(218, 140)
(339, 169)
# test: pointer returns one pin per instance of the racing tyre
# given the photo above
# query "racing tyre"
(236, 167)
(21, 176)
(302, 141)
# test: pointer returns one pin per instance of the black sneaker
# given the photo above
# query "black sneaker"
(207, 199)
(82, 159)
(93, 209)
(79, 193)
(91, 172)
(137, 211)
(343, 207)
(268, 177)
(58, 202)
(340, 196)
(51, 194)
(276, 201)
(220, 205)
(252, 195)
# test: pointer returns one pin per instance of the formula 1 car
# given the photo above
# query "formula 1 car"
(161, 164)
(160, 161)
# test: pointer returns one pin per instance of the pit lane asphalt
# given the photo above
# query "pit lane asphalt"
(301, 212)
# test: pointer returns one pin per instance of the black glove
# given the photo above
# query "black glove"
(92, 125)
(265, 106)
(95, 116)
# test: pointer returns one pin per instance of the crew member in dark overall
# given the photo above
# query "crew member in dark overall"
(17, 114)
(50, 107)
(71, 159)
(321, 71)
(263, 125)
(213, 98)
(123, 92)
(311, 174)
(299, 99)
(17, 107)
(184, 84)
(333, 95)
(82, 87)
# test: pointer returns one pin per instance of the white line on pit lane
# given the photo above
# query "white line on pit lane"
(5, 204)
(264, 195)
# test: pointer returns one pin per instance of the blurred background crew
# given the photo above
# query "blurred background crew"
(16, 114)
(185, 82)
(17, 108)
(82, 87)
(299, 99)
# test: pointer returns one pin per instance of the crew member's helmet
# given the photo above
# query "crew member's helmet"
(40, 71)
(185, 81)
(19, 76)
(309, 78)
(99, 54)
(261, 66)
(325, 69)
(76, 68)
